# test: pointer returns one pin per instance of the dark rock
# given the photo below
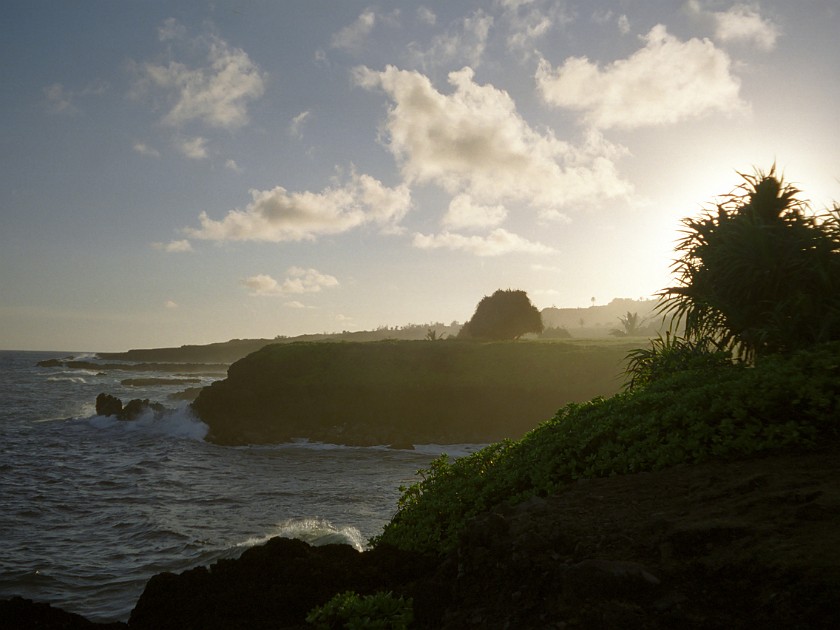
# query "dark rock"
(270, 586)
(135, 408)
(108, 405)
(18, 613)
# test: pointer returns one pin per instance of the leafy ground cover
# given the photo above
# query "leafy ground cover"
(783, 402)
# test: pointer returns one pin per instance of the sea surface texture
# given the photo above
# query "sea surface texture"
(91, 507)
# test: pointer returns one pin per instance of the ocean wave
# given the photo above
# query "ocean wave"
(315, 531)
(179, 423)
(67, 379)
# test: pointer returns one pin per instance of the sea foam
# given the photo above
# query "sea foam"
(315, 531)
(178, 423)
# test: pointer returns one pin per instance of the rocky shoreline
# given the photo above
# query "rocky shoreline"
(738, 544)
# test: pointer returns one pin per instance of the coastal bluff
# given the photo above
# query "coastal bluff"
(403, 392)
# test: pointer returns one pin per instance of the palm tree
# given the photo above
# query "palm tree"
(759, 274)
(631, 326)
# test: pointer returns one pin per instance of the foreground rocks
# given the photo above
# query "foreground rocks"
(748, 544)
(108, 405)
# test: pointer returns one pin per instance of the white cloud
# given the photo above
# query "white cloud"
(528, 21)
(277, 215)
(231, 165)
(170, 304)
(170, 30)
(473, 141)
(193, 148)
(296, 126)
(465, 213)
(143, 149)
(623, 24)
(354, 36)
(743, 23)
(216, 93)
(175, 247)
(664, 82)
(497, 243)
(464, 43)
(59, 100)
(297, 281)
(426, 16)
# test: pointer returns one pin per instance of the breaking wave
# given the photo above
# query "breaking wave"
(178, 423)
(315, 531)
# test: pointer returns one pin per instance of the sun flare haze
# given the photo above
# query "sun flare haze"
(193, 172)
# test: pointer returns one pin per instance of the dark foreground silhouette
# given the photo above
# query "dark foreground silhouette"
(744, 544)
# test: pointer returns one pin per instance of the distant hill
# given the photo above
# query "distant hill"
(235, 349)
(598, 321)
(587, 322)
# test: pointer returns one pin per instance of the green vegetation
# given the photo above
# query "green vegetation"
(760, 274)
(396, 391)
(504, 315)
(349, 610)
(687, 416)
(759, 279)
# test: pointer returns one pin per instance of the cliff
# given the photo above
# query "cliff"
(403, 391)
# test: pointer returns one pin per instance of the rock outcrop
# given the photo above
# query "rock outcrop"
(108, 405)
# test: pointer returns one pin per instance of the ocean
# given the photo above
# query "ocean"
(91, 507)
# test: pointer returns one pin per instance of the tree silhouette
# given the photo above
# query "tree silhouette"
(631, 326)
(507, 314)
(759, 274)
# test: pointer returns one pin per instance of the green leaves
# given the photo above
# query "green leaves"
(758, 274)
(354, 612)
(708, 408)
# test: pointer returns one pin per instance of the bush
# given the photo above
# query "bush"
(352, 611)
(692, 415)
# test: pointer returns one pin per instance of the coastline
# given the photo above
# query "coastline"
(720, 544)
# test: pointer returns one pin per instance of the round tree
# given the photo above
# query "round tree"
(507, 314)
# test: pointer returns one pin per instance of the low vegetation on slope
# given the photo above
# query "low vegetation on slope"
(758, 279)
(406, 391)
(694, 415)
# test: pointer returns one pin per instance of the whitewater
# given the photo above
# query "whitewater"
(91, 507)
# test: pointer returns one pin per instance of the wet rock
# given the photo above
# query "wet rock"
(108, 405)
(18, 613)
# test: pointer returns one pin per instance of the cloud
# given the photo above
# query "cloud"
(426, 16)
(170, 304)
(216, 93)
(623, 24)
(464, 43)
(664, 82)
(465, 213)
(743, 23)
(59, 100)
(296, 126)
(297, 281)
(527, 21)
(174, 247)
(231, 165)
(143, 149)
(355, 35)
(473, 141)
(498, 242)
(277, 215)
(193, 148)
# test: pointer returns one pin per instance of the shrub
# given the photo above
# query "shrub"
(350, 610)
(692, 415)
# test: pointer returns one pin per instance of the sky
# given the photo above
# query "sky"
(191, 172)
